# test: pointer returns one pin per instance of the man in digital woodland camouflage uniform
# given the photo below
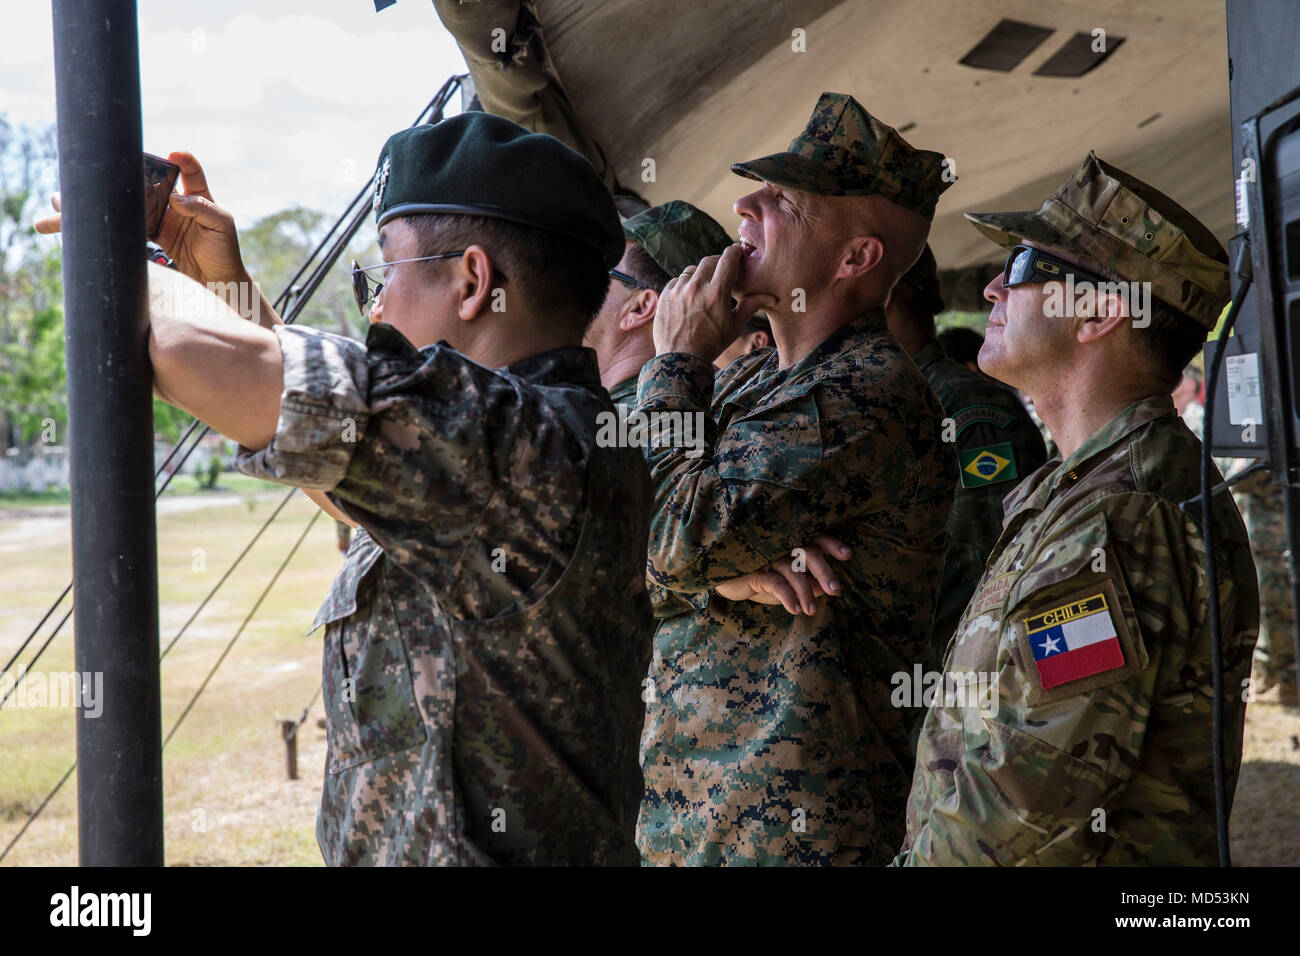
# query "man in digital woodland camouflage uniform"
(661, 242)
(770, 737)
(997, 442)
(485, 640)
(1090, 620)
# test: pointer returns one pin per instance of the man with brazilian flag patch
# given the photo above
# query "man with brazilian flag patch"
(1091, 616)
(997, 442)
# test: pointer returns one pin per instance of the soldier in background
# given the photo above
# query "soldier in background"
(660, 243)
(771, 737)
(757, 334)
(1263, 508)
(962, 345)
(1090, 620)
(996, 442)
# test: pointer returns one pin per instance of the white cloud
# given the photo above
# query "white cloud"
(282, 111)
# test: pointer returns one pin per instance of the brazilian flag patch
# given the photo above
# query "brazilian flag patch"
(987, 466)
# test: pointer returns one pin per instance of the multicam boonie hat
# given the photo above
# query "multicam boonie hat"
(924, 278)
(845, 151)
(676, 235)
(1137, 231)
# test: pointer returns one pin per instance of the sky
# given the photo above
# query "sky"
(284, 103)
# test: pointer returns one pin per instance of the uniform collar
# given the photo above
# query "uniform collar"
(624, 393)
(843, 338)
(1075, 468)
(928, 355)
(572, 365)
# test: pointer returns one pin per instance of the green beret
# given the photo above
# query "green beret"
(478, 164)
(676, 235)
(924, 278)
(845, 151)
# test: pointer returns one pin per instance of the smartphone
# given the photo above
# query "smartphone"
(159, 181)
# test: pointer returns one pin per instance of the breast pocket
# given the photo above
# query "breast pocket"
(369, 696)
(779, 443)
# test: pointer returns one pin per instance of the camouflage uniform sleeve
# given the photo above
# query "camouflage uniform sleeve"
(975, 522)
(752, 491)
(1028, 774)
(395, 435)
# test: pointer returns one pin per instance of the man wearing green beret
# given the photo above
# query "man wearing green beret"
(995, 439)
(770, 735)
(661, 242)
(1090, 622)
(484, 644)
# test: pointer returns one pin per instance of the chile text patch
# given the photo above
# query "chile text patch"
(1074, 641)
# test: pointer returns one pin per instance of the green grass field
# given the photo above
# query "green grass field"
(227, 797)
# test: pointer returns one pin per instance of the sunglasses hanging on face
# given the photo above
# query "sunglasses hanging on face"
(1027, 265)
(362, 292)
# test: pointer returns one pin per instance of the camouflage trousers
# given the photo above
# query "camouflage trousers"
(1264, 512)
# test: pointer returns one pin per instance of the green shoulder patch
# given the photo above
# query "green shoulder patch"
(981, 413)
(987, 466)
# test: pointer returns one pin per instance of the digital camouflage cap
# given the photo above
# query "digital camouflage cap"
(1130, 227)
(676, 235)
(845, 151)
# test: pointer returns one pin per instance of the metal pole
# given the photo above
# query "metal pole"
(110, 424)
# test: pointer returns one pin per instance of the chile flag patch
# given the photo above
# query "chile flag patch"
(1074, 641)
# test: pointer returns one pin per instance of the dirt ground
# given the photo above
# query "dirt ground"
(228, 801)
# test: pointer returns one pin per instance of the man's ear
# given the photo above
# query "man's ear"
(758, 340)
(473, 283)
(1100, 314)
(862, 254)
(639, 310)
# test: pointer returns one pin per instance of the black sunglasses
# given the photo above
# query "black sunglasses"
(626, 279)
(362, 292)
(1026, 265)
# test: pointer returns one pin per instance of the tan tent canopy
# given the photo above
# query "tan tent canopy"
(683, 88)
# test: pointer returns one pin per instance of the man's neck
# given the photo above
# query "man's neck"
(797, 334)
(1074, 407)
(625, 360)
(505, 345)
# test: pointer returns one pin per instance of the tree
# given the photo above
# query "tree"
(276, 245)
(32, 389)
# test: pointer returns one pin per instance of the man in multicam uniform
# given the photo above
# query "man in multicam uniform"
(661, 242)
(485, 643)
(1091, 617)
(1263, 507)
(769, 737)
(995, 440)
